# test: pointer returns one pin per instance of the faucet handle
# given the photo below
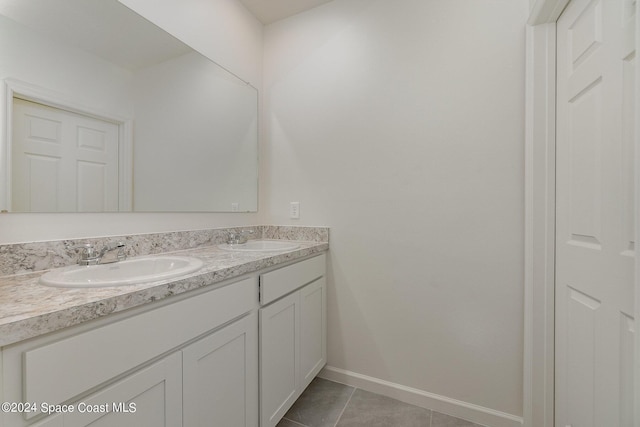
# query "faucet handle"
(88, 254)
(239, 237)
(245, 233)
(111, 246)
(121, 253)
(234, 238)
(87, 248)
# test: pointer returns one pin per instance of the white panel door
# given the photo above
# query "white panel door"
(595, 212)
(62, 161)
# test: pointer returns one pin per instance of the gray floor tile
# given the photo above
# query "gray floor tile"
(287, 423)
(442, 420)
(321, 404)
(372, 410)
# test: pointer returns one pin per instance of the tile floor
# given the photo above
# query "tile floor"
(328, 404)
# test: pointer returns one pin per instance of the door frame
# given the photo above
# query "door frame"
(540, 181)
(30, 92)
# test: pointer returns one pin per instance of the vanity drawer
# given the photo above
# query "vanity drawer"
(282, 281)
(56, 372)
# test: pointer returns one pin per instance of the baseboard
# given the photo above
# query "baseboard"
(468, 411)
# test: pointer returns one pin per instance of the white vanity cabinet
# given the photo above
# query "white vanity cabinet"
(292, 334)
(190, 361)
(235, 355)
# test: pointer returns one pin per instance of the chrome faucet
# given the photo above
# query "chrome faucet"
(238, 238)
(89, 255)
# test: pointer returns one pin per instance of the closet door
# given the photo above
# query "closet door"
(595, 246)
(62, 161)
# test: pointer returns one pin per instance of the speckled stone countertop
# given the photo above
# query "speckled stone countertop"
(29, 309)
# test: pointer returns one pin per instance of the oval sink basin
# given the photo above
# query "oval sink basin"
(261, 246)
(129, 272)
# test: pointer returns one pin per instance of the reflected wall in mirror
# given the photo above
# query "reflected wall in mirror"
(107, 112)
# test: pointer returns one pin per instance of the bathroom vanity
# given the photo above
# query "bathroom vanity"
(233, 344)
(292, 334)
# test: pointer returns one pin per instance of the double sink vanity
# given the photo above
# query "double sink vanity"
(188, 331)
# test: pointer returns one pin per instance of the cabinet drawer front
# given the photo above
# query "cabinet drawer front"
(57, 372)
(280, 282)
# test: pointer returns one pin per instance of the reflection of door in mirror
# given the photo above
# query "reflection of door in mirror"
(195, 125)
(62, 161)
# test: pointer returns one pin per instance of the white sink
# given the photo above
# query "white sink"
(261, 246)
(129, 272)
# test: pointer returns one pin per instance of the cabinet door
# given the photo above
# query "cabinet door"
(279, 358)
(220, 377)
(313, 331)
(150, 397)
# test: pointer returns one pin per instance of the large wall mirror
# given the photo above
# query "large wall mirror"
(105, 112)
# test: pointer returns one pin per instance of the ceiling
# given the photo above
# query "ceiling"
(268, 11)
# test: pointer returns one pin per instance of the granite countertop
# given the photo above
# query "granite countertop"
(30, 309)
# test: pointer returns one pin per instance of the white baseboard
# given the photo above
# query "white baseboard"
(468, 411)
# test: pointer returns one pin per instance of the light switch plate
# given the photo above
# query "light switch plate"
(294, 210)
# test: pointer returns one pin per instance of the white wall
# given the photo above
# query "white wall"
(401, 126)
(195, 135)
(235, 43)
(222, 30)
(34, 60)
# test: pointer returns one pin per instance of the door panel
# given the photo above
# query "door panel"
(581, 351)
(595, 214)
(585, 139)
(62, 161)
